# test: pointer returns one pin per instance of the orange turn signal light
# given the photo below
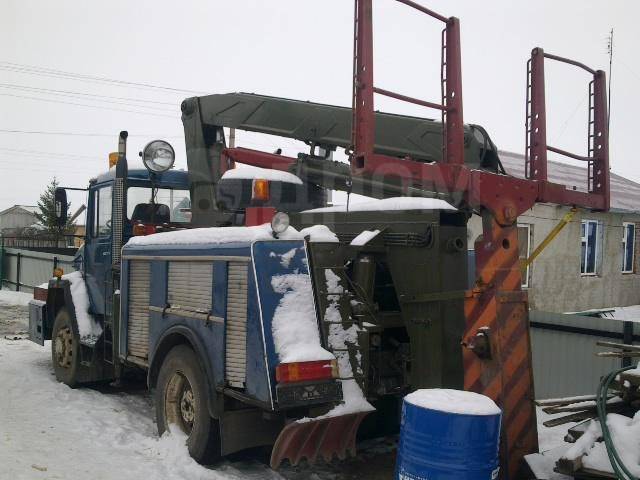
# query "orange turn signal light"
(260, 189)
(113, 159)
(140, 229)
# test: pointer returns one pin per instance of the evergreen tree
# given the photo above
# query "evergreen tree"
(47, 214)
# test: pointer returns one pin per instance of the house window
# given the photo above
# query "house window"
(524, 250)
(628, 246)
(590, 247)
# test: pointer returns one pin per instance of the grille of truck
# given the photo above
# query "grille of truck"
(138, 330)
(236, 325)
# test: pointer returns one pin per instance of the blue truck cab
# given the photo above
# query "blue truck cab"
(205, 313)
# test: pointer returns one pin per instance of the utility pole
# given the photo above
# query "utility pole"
(610, 52)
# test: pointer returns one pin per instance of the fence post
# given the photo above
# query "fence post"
(627, 339)
(18, 272)
(1, 262)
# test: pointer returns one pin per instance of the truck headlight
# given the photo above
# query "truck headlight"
(158, 156)
(279, 222)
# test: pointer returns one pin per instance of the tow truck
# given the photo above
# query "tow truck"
(199, 305)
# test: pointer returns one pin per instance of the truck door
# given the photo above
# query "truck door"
(98, 248)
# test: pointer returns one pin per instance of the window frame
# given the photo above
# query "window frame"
(624, 247)
(596, 250)
(95, 231)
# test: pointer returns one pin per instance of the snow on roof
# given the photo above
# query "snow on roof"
(629, 313)
(248, 172)
(394, 203)
(26, 208)
(625, 193)
(453, 401)
(222, 235)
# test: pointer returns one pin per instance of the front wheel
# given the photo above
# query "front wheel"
(182, 399)
(64, 350)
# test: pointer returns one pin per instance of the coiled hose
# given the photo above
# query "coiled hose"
(619, 468)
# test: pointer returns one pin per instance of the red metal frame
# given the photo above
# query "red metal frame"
(363, 159)
(597, 157)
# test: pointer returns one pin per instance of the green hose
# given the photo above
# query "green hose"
(619, 468)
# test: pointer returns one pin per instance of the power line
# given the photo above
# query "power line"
(83, 96)
(51, 72)
(85, 105)
(83, 134)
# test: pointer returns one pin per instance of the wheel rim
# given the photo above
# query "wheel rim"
(63, 346)
(180, 404)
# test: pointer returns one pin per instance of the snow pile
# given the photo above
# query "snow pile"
(52, 431)
(221, 235)
(453, 401)
(285, 258)
(318, 233)
(625, 433)
(394, 203)
(21, 299)
(339, 340)
(248, 172)
(364, 237)
(294, 327)
(88, 328)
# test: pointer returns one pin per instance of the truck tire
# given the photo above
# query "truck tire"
(181, 400)
(64, 350)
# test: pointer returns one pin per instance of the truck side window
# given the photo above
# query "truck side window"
(102, 217)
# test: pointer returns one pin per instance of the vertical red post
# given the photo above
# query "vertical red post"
(599, 166)
(363, 126)
(537, 167)
(454, 122)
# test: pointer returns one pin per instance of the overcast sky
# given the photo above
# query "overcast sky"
(291, 48)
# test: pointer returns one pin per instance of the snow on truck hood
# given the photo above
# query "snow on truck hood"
(394, 203)
(247, 172)
(221, 235)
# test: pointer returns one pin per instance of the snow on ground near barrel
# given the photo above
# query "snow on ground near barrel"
(248, 172)
(625, 433)
(8, 297)
(220, 235)
(453, 401)
(88, 328)
(394, 203)
(295, 328)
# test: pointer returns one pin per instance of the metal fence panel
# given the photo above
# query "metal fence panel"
(35, 267)
(565, 362)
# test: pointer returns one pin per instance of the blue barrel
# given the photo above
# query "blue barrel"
(448, 435)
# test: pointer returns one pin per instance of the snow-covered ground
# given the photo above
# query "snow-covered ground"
(49, 431)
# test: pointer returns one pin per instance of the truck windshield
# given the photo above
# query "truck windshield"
(172, 205)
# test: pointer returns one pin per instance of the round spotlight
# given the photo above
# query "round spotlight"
(158, 156)
(279, 222)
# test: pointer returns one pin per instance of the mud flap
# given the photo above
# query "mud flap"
(326, 437)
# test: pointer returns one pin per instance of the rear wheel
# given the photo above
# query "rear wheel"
(182, 399)
(64, 349)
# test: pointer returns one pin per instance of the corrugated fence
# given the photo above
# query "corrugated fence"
(22, 269)
(564, 351)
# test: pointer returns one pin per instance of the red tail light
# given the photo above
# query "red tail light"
(306, 371)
